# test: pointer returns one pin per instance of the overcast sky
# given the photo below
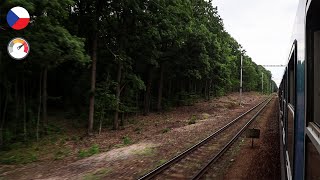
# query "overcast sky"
(262, 27)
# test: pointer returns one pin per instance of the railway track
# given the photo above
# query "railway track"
(195, 161)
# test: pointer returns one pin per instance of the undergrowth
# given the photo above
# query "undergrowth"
(94, 149)
(22, 153)
(126, 140)
(192, 120)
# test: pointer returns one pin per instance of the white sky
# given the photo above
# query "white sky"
(262, 27)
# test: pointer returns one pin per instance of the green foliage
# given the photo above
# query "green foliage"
(186, 99)
(19, 158)
(170, 53)
(62, 153)
(165, 130)
(98, 174)
(126, 140)
(192, 120)
(94, 149)
(147, 151)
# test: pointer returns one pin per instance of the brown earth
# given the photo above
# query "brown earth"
(263, 160)
(154, 139)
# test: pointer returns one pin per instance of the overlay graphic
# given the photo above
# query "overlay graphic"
(18, 18)
(18, 48)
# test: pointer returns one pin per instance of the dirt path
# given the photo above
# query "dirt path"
(262, 161)
(154, 140)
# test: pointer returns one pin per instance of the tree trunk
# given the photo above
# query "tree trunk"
(210, 88)
(3, 117)
(137, 103)
(44, 98)
(1, 135)
(1, 138)
(159, 107)
(17, 103)
(122, 120)
(205, 89)
(147, 96)
(93, 83)
(190, 89)
(169, 89)
(118, 91)
(101, 119)
(39, 106)
(24, 109)
(98, 7)
(181, 84)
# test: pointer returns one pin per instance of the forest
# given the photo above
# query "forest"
(102, 61)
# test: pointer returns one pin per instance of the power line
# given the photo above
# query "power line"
(274, 65)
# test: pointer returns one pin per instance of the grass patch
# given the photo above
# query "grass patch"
(162, 161)
(75, 138)
(62, 153)
(138, 130)
(192, 120)
(23, 153)
(126, 140)
(118, 146)
(148, 151)
(165, 130)
(205, 116)
(94, 149)
(231, 105)
(18, 157)
(99, 174)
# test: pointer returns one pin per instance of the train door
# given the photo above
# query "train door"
(312, 143)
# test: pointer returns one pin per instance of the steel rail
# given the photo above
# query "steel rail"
(180, 156)
(226, 147)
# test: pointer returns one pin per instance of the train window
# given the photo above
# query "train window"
(291, 69)
(313, 92)
(313, 63)
(289, 118)
(316, 88)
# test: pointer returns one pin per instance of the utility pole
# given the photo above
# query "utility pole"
(262, 82)
(241, 60)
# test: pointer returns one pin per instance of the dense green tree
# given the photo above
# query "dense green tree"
(118, 58)
(52, 45)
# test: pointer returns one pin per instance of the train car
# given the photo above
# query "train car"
(299, 97)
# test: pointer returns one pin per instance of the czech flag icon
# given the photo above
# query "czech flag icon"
(18, 18)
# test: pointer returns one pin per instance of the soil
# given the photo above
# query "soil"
(263, 160)
(151, 140)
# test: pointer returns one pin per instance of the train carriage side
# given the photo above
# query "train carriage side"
(312, 86)
(299, 97)
(288, 110)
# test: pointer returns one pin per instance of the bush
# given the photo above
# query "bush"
(19, 158)
(61, 154)
(126, 140)
(89, 152)
(165, 130)
(192, 120)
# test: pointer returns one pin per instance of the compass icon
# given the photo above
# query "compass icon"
(18, 48)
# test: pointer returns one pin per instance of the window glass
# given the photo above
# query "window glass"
(316, 90)
(291, 82)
